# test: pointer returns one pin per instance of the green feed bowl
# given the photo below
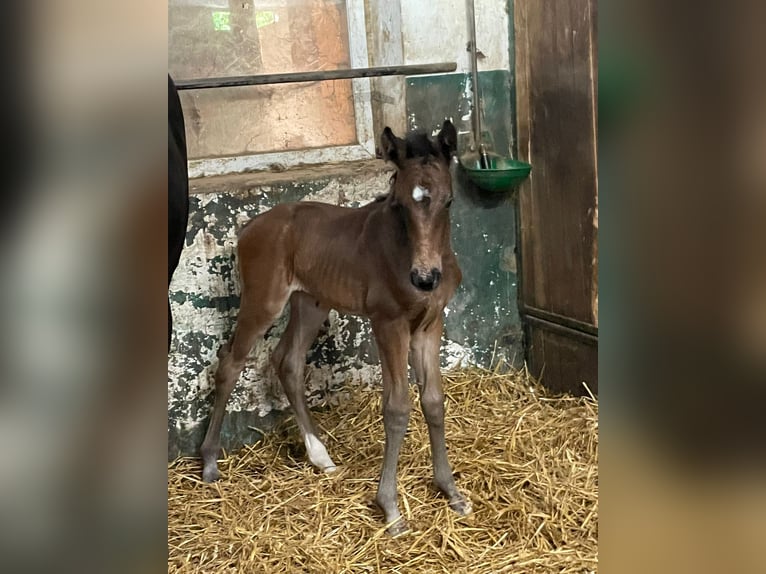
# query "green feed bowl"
(503, 174)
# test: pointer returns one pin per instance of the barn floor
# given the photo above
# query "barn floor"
(528, 461)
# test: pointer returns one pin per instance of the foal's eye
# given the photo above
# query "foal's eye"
(449, 202)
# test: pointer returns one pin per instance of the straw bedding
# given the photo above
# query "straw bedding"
(528, 461)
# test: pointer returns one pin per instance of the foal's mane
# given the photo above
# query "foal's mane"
(419, 145)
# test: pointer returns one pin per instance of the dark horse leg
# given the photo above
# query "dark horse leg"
(178, 186)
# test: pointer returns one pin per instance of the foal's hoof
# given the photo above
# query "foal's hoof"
(398, 528)
(461, 505)
(210, 474)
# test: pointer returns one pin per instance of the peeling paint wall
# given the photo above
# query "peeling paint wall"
(482, 322)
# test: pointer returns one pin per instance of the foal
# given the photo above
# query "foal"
(390, 260)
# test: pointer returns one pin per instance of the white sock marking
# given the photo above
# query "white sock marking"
(318, 453)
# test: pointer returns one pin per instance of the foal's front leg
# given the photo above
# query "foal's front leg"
(393, 338)
(425, 361)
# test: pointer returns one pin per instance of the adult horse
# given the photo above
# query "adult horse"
(391, 261)
(178, 186)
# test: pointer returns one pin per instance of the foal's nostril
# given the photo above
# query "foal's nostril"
(419, 281)
(426, 282)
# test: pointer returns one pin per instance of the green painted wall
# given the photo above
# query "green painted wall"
(484, 314)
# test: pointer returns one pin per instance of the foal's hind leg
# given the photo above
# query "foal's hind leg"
(306, 318)
(255, 317)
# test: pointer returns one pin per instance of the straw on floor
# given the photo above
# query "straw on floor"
(528, 461)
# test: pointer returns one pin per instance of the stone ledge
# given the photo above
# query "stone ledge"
(306, 173)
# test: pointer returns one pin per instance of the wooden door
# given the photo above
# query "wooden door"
(556, 77)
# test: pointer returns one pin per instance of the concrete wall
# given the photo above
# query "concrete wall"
(439, 29)
(482, 322)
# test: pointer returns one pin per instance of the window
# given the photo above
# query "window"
(240, 129)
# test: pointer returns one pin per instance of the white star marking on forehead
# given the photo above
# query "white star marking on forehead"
(418, 193)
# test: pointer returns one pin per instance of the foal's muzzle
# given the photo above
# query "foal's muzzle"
(426, 281)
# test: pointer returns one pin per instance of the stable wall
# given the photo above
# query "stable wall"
(482, 322)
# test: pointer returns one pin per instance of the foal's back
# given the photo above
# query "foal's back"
(328, 251)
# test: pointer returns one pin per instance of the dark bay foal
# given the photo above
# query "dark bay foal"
(391, 261)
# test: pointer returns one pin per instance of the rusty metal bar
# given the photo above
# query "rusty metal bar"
(474, 77)
(319, 75)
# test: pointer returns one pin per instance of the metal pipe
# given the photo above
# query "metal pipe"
(475, 86)
(319, 75)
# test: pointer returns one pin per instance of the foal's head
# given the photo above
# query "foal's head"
(421, 194)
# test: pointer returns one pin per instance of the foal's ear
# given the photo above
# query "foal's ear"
(391, 147)
(447, 140)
